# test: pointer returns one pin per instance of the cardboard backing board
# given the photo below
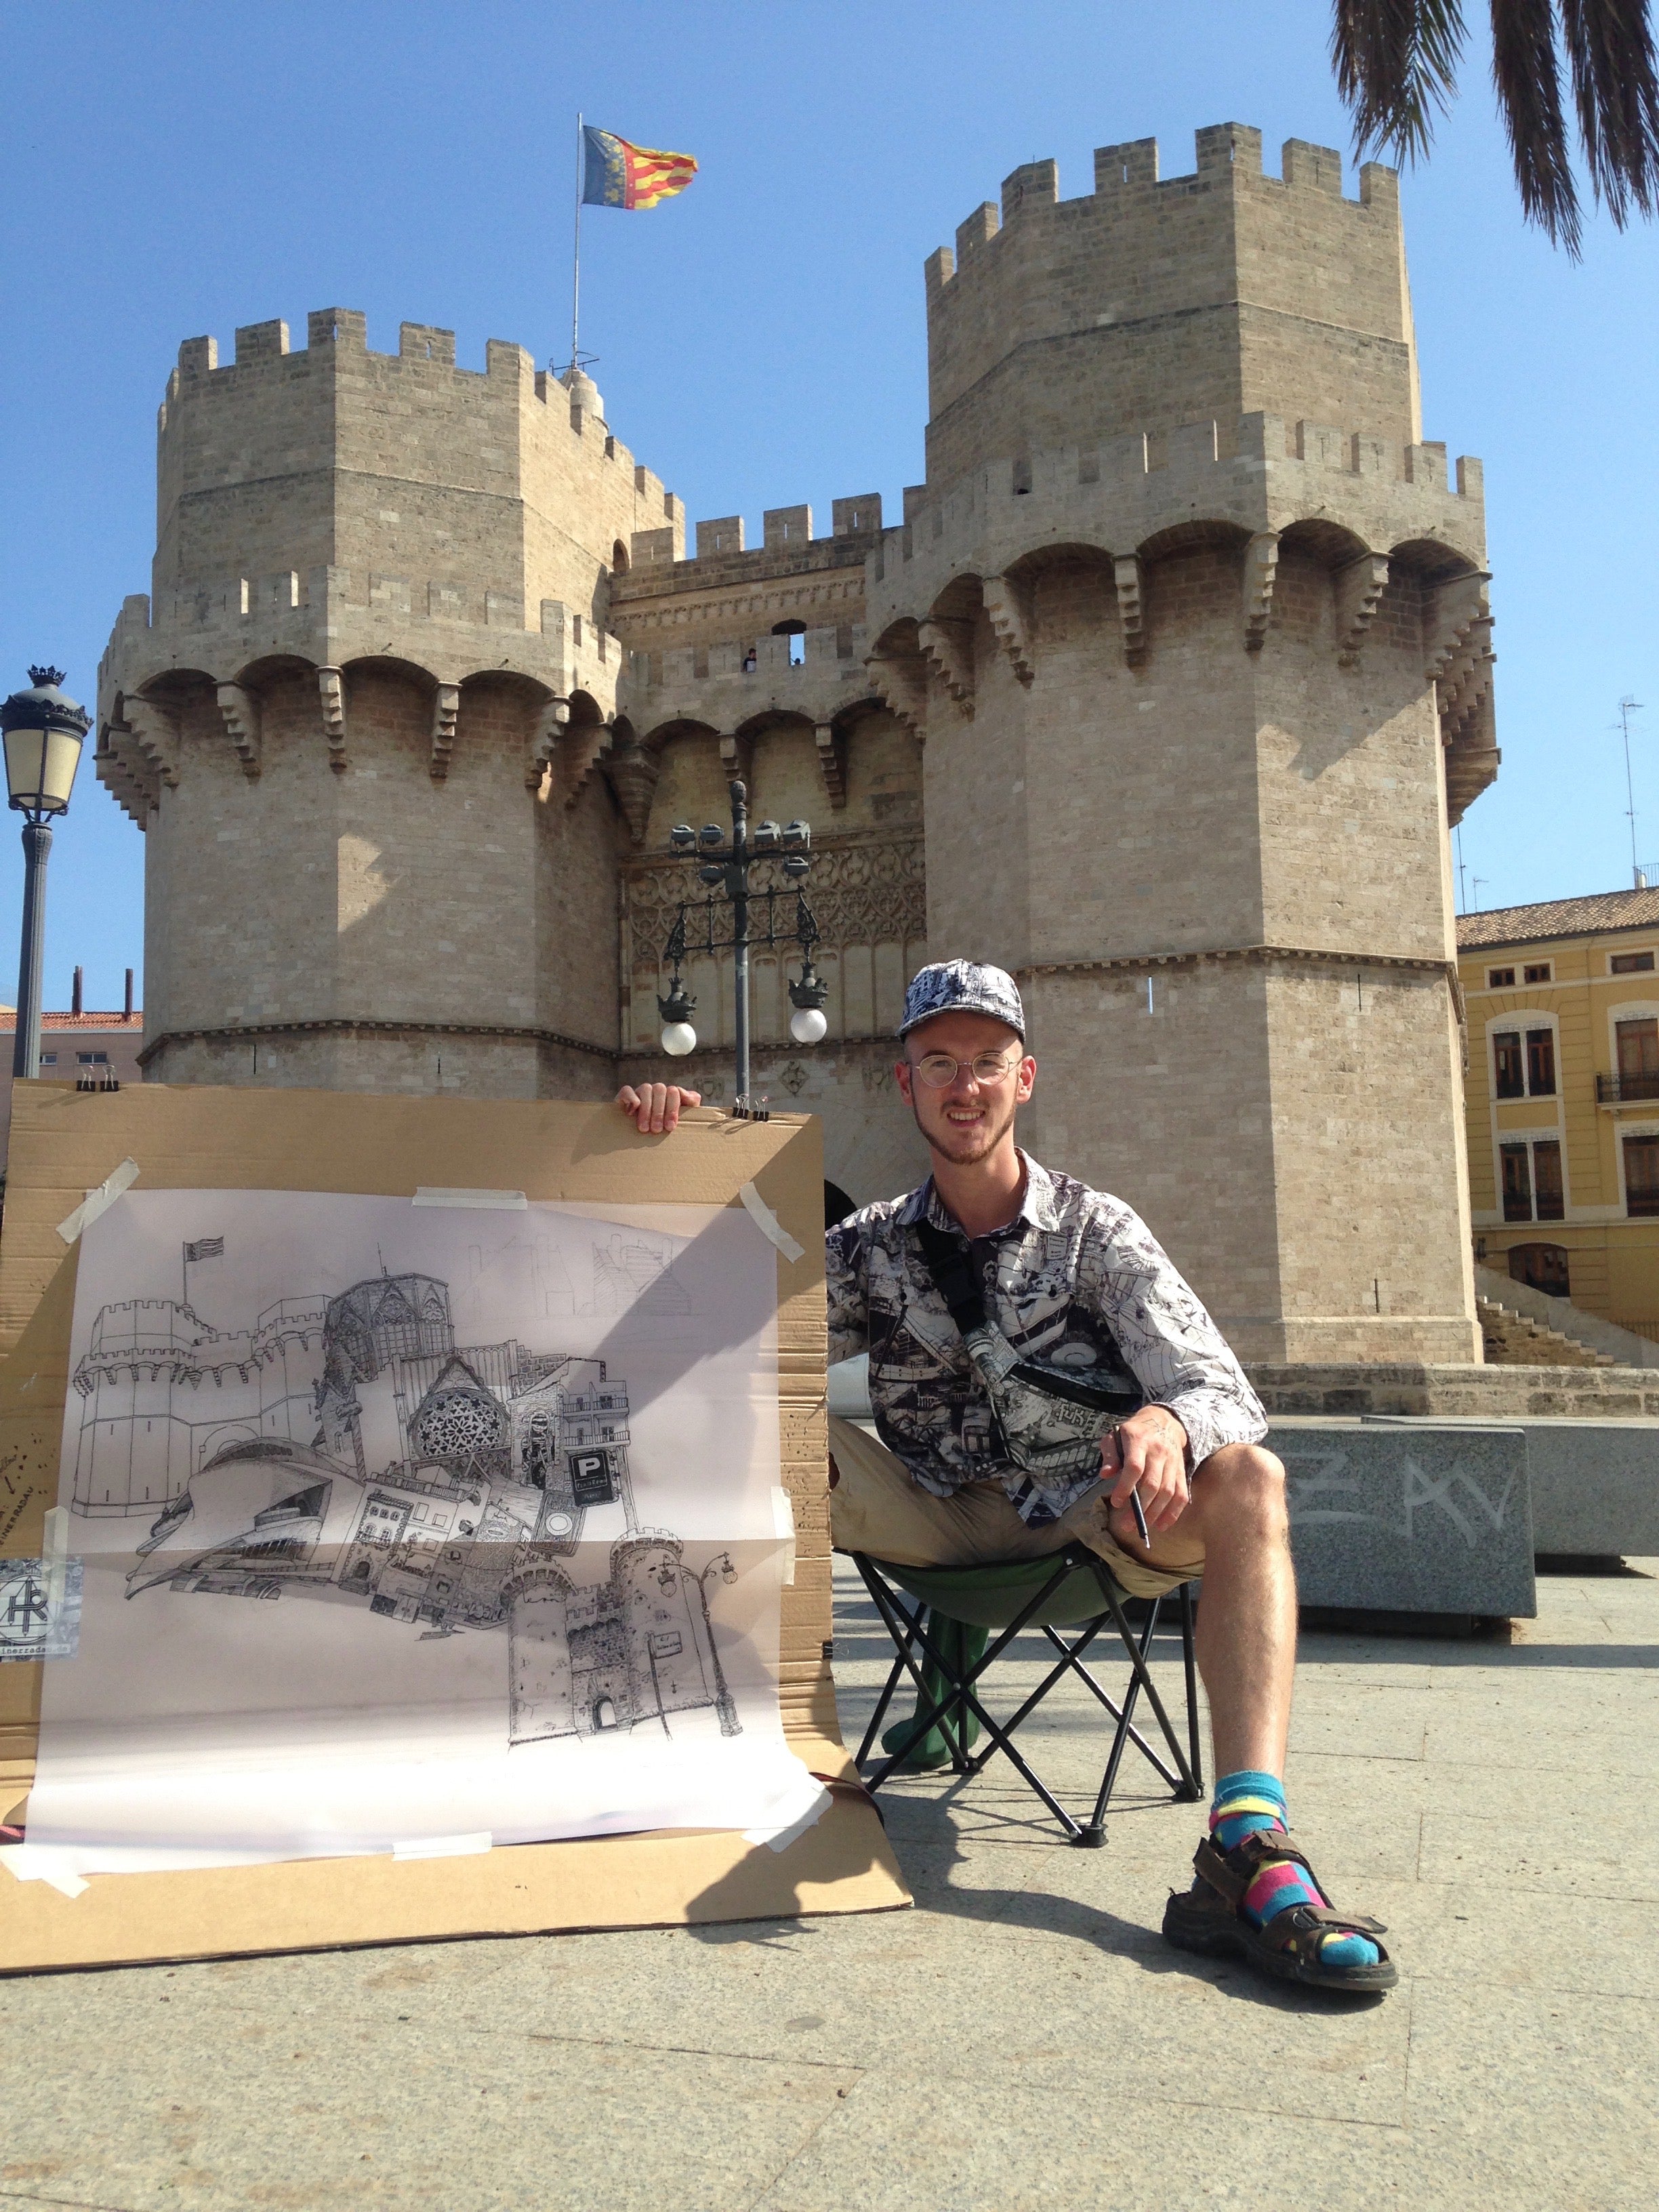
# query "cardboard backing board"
(64, 1143)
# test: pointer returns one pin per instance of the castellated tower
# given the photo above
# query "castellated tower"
(423, 679)
(1196, 634)
(1163, 695)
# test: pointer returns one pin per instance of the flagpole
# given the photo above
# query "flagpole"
(576, 265)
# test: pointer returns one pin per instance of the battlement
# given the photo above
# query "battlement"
(1228, 154)
(1149, 300)
(724, 557)
(1130, 498)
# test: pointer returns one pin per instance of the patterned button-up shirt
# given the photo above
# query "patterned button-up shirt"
(1076, 1279)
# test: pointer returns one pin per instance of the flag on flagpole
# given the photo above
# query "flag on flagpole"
(210, 1248)
(619, 174)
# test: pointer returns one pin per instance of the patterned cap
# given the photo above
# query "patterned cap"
(962, 987)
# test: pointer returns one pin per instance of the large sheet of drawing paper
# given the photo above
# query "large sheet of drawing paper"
(392, 1561)
(401, 1522)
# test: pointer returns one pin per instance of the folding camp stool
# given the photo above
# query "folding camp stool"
(1072, 1588)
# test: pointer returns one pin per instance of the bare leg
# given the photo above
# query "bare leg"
(1246, 1635)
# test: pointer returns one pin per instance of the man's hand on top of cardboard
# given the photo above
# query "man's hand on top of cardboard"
(654, 1108)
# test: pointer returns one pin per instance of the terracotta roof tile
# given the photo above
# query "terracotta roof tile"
(1571, 917)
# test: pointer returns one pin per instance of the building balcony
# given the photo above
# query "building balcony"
(1625, 1090)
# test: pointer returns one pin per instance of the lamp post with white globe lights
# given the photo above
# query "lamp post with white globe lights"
(43, 730)
(725, 867)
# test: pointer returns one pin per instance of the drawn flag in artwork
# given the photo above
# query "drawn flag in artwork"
(617, 173)
(208, 1248)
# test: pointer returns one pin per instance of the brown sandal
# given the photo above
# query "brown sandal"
(1207, 1918)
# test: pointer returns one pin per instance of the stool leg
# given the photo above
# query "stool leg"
(1187, 1661)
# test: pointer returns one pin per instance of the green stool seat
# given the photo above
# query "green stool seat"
(943, 1643)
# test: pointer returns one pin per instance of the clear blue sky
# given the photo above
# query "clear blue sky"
(183, 168)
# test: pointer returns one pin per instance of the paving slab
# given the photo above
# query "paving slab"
(1022, 2037)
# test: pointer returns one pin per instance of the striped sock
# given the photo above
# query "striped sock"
(1247, 1801)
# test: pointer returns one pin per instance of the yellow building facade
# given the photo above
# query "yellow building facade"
(1563, 1097)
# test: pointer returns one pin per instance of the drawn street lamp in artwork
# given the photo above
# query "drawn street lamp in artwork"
(754, 921)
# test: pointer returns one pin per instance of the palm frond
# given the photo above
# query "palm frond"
(1528, 80)
(1396, 68)
(1616, 84)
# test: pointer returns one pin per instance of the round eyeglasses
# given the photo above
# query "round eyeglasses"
(938, 1069)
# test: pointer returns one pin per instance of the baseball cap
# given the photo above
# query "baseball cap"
(962, 987)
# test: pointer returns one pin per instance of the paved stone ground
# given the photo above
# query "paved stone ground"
(1022, 2039)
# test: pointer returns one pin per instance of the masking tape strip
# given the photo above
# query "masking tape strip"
(783, 1528)
(444, 1847)
(42, 1863)
(93, 1204)
(504, 1201)
(768, 1223)
(779, 1839)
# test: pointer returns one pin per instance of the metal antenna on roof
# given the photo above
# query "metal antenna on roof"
(1627, 707)
(1462, 888)
(1477, 881)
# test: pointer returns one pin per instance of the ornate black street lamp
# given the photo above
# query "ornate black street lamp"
(43, 732)
(754, 921)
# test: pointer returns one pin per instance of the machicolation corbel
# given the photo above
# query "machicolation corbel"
(241, 711)
(947, 647)
(1130, 580)
(331, 688)
(545, 742)
(1260, 568)
(832, 763)
(898, 682)
(1359, 589)
(446, 705)
(155, 732)
(1011, 620)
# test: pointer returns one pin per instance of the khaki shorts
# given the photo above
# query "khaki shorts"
(877, 1507)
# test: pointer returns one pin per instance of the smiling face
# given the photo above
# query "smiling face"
(966, 1121)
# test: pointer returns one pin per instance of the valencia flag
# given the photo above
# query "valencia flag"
(621, 175)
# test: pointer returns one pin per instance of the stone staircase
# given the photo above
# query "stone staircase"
(1513, 1340)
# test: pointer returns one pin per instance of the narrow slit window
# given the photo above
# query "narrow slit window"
(1499, 979)
(1539, 971)
(1631, 964)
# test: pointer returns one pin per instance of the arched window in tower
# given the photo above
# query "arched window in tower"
(619, 559)
(796, 634)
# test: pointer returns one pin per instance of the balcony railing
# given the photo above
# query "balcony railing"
(1625, 1090)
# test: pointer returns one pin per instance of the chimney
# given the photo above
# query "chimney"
(127, 1009)
(75, 994)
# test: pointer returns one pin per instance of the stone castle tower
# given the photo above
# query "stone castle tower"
(1162, 694)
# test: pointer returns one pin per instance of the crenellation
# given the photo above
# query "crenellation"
(1033, 185)
(785, 528)
(1133, 166)
(1308, 168)
(1222, 146)
(260, 342)
(851, 518)
(344, 328)
(981, 227)
(426, 341)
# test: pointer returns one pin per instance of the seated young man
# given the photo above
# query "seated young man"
(1070, 1276)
